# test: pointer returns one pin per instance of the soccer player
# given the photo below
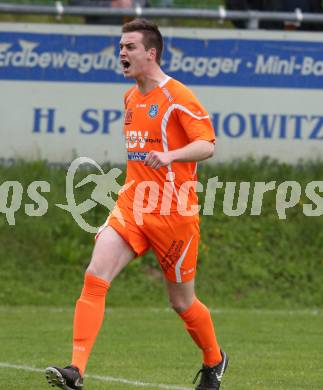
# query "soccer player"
(167, 132)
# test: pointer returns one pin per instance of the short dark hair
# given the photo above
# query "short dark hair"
(151, 35)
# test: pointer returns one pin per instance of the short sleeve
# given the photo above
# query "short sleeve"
(194, 119)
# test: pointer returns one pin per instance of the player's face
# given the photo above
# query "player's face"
(134, 58)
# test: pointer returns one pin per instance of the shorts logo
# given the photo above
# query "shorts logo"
(172, 255)
(128, 117)
(153, 110)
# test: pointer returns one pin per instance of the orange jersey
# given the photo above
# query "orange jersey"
(167, 118)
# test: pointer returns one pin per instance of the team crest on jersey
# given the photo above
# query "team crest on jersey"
(153, 110)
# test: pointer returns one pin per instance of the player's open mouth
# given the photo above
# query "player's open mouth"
(125, 64)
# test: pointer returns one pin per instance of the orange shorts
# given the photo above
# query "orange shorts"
(173, 238)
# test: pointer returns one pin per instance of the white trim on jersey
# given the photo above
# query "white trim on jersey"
(195, 169)
(164, 136)
(163, 82)
(180, 262)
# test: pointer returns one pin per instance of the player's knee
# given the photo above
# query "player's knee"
(178, 305)
(98, 265)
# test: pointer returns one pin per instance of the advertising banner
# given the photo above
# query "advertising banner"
(61, 90)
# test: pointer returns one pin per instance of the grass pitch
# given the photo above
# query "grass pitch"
(278, 350)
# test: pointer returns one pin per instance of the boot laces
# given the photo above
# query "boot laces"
(206, 370)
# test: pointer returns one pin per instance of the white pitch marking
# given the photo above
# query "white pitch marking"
(281, 312)
(101, 378)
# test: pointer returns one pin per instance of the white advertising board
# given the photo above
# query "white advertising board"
(61, 91)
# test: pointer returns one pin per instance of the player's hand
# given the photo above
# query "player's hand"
(156, 159)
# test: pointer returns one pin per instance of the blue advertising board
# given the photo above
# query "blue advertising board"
(223, 62)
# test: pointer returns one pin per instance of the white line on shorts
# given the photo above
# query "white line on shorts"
(101, 378)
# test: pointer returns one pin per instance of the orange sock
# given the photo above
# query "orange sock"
(199, 325)
(88, 317)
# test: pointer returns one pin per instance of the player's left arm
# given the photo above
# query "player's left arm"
(195, 151)
(197, 129)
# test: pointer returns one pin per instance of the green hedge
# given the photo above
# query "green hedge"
(244, 261)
